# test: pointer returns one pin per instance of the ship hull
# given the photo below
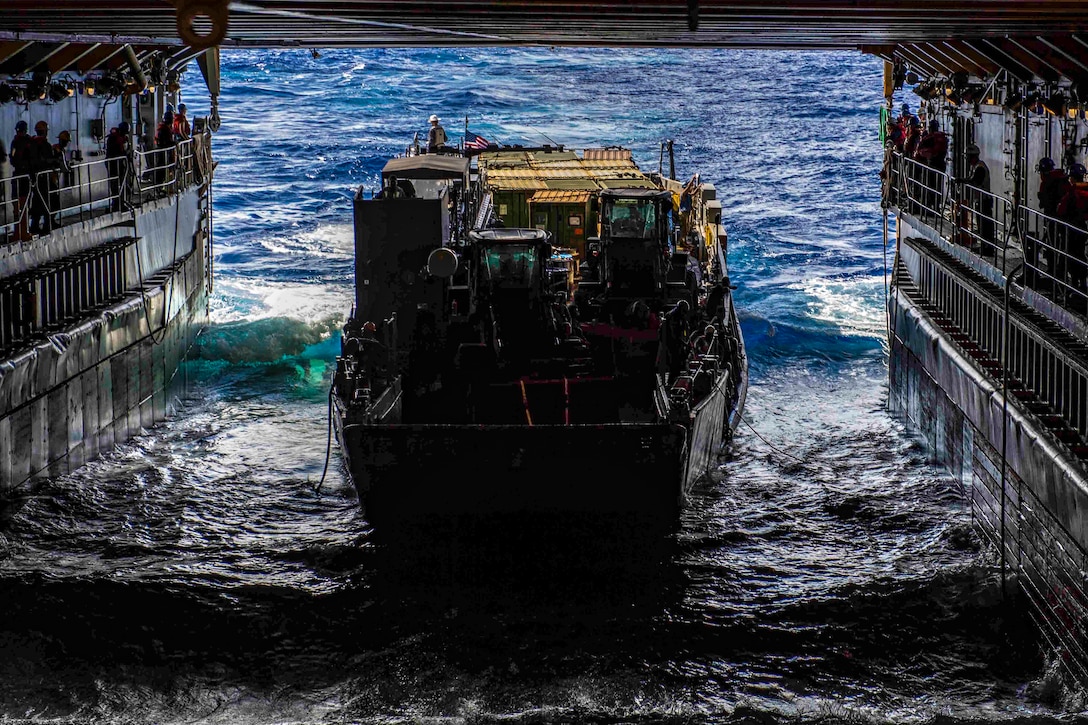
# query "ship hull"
(405, 471)
(644, 470)
(118, 370)
(1025, 487)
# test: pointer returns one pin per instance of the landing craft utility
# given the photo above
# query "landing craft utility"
(542, 331)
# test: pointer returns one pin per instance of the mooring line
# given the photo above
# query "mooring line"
(771, 445)
(807, 465)
(328, 445)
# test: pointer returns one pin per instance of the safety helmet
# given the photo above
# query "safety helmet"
(170, 107)
(64, 136)
(168, 116)
(914, 121)
(20, 127)
(122, 127)
(433, 119)
(973, 150)
(1076, 171)
(1045, 164)
(41, 127)
(182, 107)
(905, 108)
(934, 125)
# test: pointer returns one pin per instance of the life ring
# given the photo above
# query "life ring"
(213, 12)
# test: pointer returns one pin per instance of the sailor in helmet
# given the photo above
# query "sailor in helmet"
(1073, 210)
(436, 136)
(21, 162)
(977, 197)
(43, 163)
(904, 117)
(1053, 184)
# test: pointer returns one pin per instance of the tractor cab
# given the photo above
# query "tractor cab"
(510, 262)
(511, 290)
(636, 243)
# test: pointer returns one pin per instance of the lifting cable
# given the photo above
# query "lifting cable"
(1016, 231)
(167, 289)
(328, 441)
(770, 445)
(804, 464)
(887, 292)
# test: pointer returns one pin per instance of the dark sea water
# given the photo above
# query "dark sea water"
(826, 572)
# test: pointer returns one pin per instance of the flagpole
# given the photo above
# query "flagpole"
(465, 137)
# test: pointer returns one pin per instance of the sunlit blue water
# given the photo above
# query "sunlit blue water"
(826, 571)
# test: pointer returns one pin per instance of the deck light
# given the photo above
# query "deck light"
(57, 92)
(88, 86)
(926, 90)
(972, 93)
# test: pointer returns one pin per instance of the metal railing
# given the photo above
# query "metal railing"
(51, 296)
(1036, 366)
(37, 203)
(1032, 360)
(1054, 263)
(989, 224)
(968, 216)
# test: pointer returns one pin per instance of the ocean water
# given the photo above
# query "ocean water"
(826, 571)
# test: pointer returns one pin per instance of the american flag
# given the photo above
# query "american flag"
(475, 141)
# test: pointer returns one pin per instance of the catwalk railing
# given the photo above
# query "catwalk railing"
(1052, 249)
(54, 295)
(1034, 365)
(60, 197)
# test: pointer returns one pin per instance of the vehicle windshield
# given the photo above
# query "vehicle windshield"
(433, 188)
(630, 217)
(510, 266)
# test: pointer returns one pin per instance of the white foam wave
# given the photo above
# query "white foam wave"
(241, 299)
(853, 304)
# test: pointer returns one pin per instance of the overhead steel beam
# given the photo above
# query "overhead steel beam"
(941, 59)
(37, 59)
(81, 37)
(961, 48)
(884, 52)
(967, 62)
(1057, 47)
(1030, 60)
(179, 59)
(435, 32)
(915, 60)
(1066, 68)
(63, 60)
(11, 49)
(816, 24)
(98, 58)
(998, 56)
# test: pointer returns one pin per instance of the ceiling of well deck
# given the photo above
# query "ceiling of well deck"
(1030, 39)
